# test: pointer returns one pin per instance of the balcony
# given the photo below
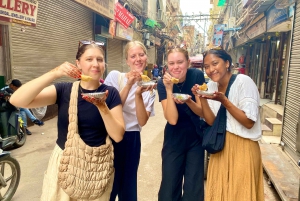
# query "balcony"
(161, 19)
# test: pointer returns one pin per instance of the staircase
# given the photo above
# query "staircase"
(271, 122)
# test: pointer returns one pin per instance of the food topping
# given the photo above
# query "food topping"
(203, 87)
(86, 78)
(145, 78)
(174, 80)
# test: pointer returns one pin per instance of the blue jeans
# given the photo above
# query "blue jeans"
(26, 113)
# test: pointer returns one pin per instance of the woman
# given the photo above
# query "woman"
(236, 172)
(182, 153)
(138, 106)
(95, 121)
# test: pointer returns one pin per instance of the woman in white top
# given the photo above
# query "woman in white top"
(138, 106)
(236, 172)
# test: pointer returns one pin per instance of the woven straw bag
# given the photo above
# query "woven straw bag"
(84, 171)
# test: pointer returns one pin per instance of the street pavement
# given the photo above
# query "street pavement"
(34, 155)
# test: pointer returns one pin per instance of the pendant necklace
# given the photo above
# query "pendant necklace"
(180, 86)
(80, 87)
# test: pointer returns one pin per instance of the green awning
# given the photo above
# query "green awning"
(152, 23)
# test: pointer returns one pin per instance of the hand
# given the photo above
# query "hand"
(141, 89)
(96, 101)
(167, 81)
(178, 101)
(67, 69)
(217, 96)
(133, 76)
(194, 90)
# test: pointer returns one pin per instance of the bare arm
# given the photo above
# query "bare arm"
(170, 109)
(196, 107)
(113, 121)
(141, 113)
(38, 92)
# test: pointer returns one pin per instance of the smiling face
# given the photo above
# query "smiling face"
(91, 62)
(178, 65)
(136, 58)
(215, 67)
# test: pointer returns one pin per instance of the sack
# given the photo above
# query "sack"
(214, 136)
(84, 171)
(39, 112)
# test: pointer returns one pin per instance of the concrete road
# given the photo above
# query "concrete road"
(34, 155)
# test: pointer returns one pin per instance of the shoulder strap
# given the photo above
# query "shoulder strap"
(232, 79)
(121, 81)
(73, 120)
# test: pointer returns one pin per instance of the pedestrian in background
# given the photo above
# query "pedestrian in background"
(138, 106)
(236, 172)
(97, 118)
(182, 153)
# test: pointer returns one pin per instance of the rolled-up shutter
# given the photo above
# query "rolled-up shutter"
(60, 26)
(292, 104)
(115, 55)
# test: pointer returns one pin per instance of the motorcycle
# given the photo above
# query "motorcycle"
(10, 173)
(12, 131)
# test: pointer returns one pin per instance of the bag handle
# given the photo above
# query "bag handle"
(73, 111)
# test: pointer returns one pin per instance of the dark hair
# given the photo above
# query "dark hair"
(16, 83)
(222, 54)
(83, 48)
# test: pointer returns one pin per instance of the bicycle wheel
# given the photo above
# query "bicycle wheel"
(10, 173)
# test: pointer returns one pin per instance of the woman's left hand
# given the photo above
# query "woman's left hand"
(217, 96)
(96, 101)
(141, 90)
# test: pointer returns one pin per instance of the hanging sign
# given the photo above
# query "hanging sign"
(123, 16)
(102, 7)
(19, 11)
(218, 34)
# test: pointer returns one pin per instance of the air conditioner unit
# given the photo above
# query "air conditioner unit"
(231, 22)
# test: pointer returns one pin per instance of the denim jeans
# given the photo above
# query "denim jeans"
(26, 113)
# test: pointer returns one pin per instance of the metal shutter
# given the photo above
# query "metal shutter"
(292, 104)
(115, 55)
(60, 26)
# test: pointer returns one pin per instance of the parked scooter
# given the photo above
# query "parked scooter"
(9, 177)
(12, 132)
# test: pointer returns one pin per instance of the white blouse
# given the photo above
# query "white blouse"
(244, 95)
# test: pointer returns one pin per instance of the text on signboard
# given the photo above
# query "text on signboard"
(18, 6)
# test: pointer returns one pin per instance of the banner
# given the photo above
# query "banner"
(218, 34)
(19, 11)
(103, 7)
(123, 16)
(112, 28)
(123, 33)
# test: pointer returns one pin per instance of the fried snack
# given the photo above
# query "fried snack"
(86, 78)
(203, 87)
(145, 78)
(174, 80)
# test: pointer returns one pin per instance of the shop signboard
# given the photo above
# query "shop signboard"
(22, 12)
(123, 33)
(276, 16)
(258, 28)
(218, 34)
(123, 16)
(102, 7)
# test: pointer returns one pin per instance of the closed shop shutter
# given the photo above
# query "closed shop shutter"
(292, 104)
(60, 26)
(115, 55)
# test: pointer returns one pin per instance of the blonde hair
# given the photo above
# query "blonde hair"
(132, 44)
(178, 49)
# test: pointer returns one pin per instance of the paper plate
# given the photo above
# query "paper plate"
(95, 95)
(182, 97)
(146, 84)
(206, 93)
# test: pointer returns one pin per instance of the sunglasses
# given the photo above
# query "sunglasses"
(89, 42)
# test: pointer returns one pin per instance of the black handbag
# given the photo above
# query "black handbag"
(214, 136)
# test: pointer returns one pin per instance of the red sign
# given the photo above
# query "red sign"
(123, 16)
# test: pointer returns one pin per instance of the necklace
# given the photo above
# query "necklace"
(80, 87)
(180, 86)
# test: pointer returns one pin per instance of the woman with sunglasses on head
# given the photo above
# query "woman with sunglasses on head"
(138, 106)
(182, 153)
(97, 117)
(235, 173)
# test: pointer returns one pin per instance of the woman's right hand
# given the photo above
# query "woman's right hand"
(194, 90)
(167, 81)
(132, 77)
(67, 69)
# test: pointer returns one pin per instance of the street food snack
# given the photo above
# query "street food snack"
(174, 80)
(203, 87)
(181, 97)
(86, 78)
(145, 78)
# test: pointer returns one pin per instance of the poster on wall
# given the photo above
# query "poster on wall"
(218, 34)
(112, 28)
